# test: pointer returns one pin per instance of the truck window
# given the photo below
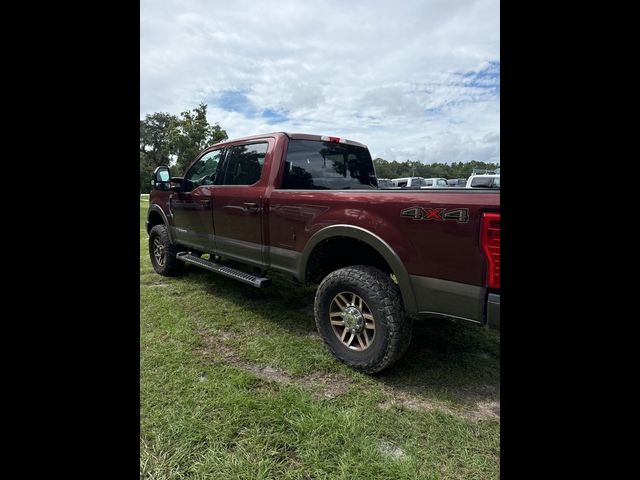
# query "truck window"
(482, 182)
(441, 182)
(203, 172)
(315, 165)
(428, 183)
(243, 165)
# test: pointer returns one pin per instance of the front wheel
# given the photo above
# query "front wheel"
(360, 315)
(163, 252)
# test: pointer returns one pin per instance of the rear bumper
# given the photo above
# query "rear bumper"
(493, 310)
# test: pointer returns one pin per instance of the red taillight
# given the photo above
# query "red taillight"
(490, 239)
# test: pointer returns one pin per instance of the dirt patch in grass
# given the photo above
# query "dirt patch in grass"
(406, 401)
(485, 410)
(481, 402)
(324, 386)
(329, 385)
(265, 373)
(390, 450)
(215, 346)
(478, 411)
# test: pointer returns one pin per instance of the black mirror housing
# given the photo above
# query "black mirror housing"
(161, 178)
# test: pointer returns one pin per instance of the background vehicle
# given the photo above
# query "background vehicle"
(434, 183)
(387, 184)
(409, 182)
(484, 181)
(457, 182)
(310, 207)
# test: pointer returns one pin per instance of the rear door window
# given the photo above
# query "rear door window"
(243, 165)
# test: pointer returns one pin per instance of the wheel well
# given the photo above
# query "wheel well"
(338, 252)
(154, 219)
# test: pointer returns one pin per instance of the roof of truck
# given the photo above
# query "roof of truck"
(295, 136)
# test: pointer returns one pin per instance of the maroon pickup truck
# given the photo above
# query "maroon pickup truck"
(310, 206)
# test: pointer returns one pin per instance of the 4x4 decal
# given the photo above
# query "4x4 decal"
(439, 214)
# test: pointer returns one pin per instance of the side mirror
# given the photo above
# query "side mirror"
(161, 178)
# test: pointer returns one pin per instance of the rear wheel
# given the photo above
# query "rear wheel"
(360, 315)
(163, 252)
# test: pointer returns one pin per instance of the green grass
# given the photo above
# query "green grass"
(236, 383)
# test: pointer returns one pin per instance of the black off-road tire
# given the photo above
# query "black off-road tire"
(393, 329)
(170, 266)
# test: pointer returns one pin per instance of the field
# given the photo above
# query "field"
(236, 383)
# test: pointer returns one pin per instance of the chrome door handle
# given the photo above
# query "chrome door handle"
(250, 206)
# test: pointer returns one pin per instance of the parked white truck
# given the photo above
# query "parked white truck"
(481, 178)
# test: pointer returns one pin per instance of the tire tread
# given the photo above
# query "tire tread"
(383, 291)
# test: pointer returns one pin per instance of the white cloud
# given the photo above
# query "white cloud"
(396, 76)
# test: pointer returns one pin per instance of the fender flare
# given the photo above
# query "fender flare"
(156, 208)
(375, 242)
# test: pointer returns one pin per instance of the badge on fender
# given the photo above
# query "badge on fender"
(439, 214)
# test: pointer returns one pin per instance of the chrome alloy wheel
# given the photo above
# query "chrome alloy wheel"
(352, 321)
(158, 251)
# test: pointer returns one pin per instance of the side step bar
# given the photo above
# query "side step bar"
(243, 277)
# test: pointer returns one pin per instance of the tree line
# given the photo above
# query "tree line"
(175, 140)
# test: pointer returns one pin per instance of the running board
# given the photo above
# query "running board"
(243, 277)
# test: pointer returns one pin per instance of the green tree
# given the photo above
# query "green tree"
(174, 141)
(383, 169)
(156, 146)
(155, 137)
(193, 134)
(145, 175)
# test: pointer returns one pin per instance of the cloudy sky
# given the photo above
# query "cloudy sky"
(415, 80)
